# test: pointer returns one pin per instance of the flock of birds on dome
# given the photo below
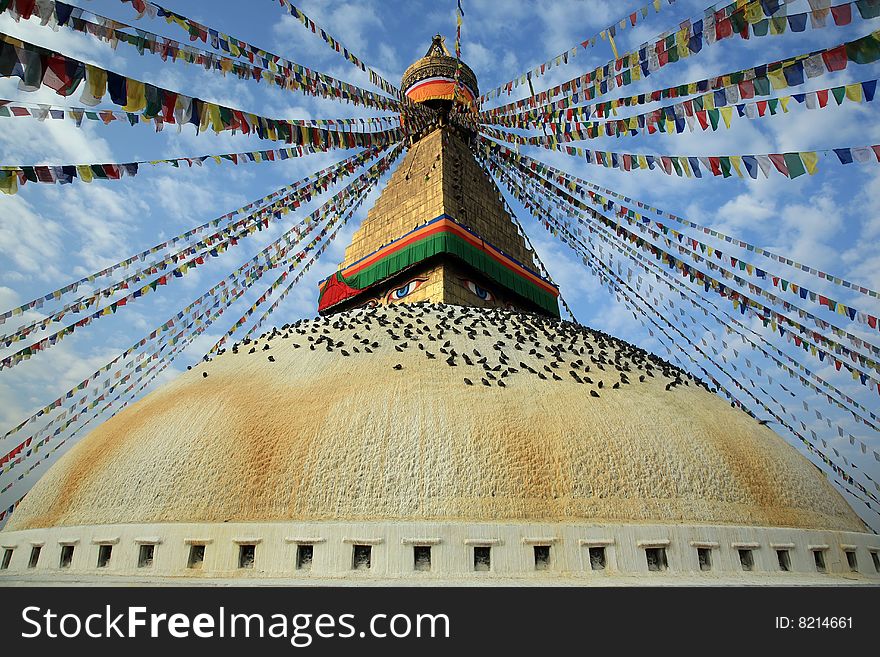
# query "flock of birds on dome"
(519, 343)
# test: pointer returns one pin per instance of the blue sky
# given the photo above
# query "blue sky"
(51, 235)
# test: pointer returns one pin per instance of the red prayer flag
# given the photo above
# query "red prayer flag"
(842, 14)
(835, 59)
(723, 29)
(779, 162)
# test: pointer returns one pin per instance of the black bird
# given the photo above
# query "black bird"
(485, 383)
(398, 367)
(601, 383)
(502, 384)
(271, 359)
(616, 386)
(593, 393)
(398, 347)
(430, 355)
(556, 377)
(205, 375)
(469, 382)
(345, 353)
(451, 361)
(764, 421)
(253, 349)
(669, 385)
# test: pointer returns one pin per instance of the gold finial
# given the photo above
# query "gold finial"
(438, 47)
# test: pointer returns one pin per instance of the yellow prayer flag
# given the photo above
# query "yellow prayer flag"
(708, 101)
(643, 162)
(136, 97)
(97, 81)
(656, 5)
(692, 88)
(754, 12)
(686, 166)
(726, 114)
(9, 183)
(736, 161)
(854, 92)
(811, 161)
(84, 172)
(777, 79)
(613, 46)
(216, 119)
(784, 101)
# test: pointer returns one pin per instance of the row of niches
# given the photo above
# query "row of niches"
(480, 557)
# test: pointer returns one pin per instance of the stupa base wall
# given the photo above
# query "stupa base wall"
(387, 553)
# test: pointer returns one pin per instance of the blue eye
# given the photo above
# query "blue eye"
(401, 292)
(405, 290)
(481, 292)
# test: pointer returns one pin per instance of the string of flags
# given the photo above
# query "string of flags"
(342, 204)
(718, 91)
(565, 57)
(693, 114)
(611, 238)
(37, 67)
(297, 77)
(576, 185)
(743, 302)
(240, 279)
(336, 45)
(348, 164)
(689, 40)
(547, 220)
(250, 271)
(791, 165)
(180, 341)
(613, 229)
(160, 280)
(43, 111)
(738, 298)
(156, 337)
(12, 176)
(573, 183)
(732, 325)
(210, 246)
(56, 13)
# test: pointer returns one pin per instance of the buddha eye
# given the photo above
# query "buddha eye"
(405, 290)
(481, 292)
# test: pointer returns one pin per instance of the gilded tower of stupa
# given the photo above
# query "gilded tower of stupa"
(439, 232)
(437, 422)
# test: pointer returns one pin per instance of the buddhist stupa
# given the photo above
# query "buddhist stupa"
(436, 423)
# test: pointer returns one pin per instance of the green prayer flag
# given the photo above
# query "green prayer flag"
(864, 50)
(839, 94)
(714, 116)
(794, 164)
(762, 86)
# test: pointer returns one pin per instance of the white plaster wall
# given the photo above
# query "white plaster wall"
(451, 554)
